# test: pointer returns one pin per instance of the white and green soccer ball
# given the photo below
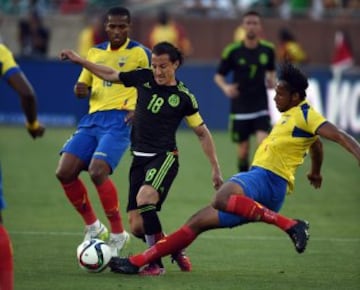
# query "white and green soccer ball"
(93, 256)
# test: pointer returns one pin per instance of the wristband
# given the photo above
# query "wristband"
(33, 126)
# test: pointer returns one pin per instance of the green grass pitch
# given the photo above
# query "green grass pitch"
(45, 230)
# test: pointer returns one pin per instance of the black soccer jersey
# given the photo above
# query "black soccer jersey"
(248, 67)
(159, 111)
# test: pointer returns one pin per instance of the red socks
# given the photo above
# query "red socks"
(170, 244)
(110, 202)
(182, 238)
(246, 207)
(6, 261)
(77, 195)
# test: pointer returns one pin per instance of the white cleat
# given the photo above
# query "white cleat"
(96, 231)
(117, 242)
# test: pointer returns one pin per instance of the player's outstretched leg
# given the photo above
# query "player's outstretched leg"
(173, 243)
(248, 208)
(299, 234)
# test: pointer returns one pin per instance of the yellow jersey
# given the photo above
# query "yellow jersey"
(295, 52)
(289, 141)
(173, 33)
(8, 65)
(106, 95)
(85, 41)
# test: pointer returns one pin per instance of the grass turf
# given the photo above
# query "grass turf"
(45, 230)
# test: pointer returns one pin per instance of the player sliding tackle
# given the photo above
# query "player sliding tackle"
(257, 195)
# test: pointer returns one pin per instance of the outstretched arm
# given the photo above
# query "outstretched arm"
(208, 147)
(331, 132)
(317, 155)
(104, 72)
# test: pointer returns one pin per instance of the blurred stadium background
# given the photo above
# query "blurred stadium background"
(210, 26)
(259, 257)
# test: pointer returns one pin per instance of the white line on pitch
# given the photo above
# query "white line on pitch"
(207, 236)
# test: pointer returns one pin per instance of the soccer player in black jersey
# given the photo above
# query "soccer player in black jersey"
(162, 103)
(252, 64)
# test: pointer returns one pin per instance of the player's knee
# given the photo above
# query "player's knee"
(147, 197)
(222, 196)
(97, 175)
(219, 202)
(136, 232)
(215, 203)
(98, 170)
(63, 175)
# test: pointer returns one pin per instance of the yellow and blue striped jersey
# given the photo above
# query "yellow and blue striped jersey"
(106, 95)
(8, 65)
(289, 142)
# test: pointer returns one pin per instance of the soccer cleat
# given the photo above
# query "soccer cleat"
(96, 232)
(123, 265)
(182, 261)
(299, 235)
(117, 242)
(152, 270)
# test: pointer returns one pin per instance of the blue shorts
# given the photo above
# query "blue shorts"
(2, 200)
(100, 135)
(261, 185)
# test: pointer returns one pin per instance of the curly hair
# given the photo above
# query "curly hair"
(296, 80)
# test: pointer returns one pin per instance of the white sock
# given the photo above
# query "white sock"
(114, 236)
(96, 224)
(117, 235)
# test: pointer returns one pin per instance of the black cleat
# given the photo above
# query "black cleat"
(123, 265)
(299, 235)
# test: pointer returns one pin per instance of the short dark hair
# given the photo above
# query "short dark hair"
(169, 49)
(119, 11)
(295, 79)
(251, 13)
(286, 35)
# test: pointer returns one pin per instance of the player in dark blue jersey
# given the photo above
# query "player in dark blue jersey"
(162, 103)
(252, 64)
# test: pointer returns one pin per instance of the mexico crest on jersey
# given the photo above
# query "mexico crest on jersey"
(174, 100)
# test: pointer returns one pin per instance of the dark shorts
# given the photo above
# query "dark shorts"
(241, 130)
(158, 171)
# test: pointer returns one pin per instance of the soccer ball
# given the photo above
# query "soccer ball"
(93, 256)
